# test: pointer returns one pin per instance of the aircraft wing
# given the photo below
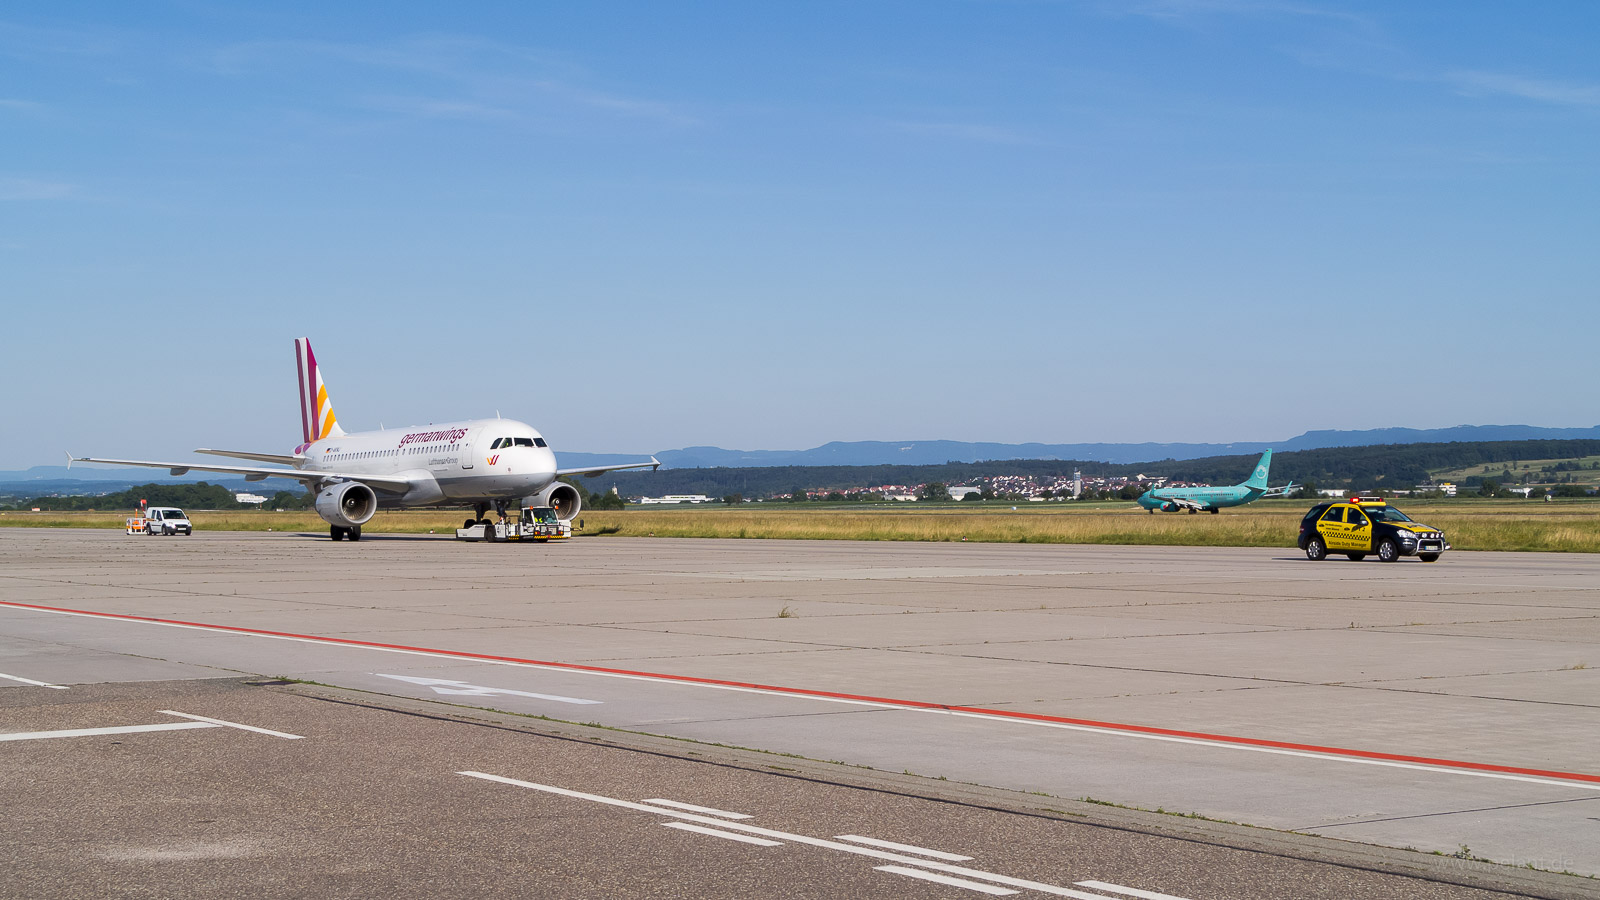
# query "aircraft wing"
(256, 473)
(280, 458)
(1280, 491)
(592, 471)
(1183, 503)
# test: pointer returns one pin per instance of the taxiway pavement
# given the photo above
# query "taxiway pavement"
(1449, 707)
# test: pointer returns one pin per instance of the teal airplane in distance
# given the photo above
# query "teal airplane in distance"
(1213, 499)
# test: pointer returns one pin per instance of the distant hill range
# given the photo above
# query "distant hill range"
(925, 453)
(43, 480)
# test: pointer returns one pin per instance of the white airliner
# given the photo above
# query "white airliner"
(477, 462)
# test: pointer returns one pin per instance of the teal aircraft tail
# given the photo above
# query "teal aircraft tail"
(1258, 478)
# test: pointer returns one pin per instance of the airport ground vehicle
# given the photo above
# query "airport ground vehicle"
(167, 520)
(1362, 525)
(536, 523)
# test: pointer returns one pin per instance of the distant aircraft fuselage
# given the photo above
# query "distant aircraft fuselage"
(1210, 499)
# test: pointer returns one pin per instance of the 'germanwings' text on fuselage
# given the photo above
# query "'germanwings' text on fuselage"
(476, 462)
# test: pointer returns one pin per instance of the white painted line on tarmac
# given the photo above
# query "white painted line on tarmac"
(946, 879)
(903, 848)
(1020, 883)
(742, 838)
(43, 684)
(463, 689)
(699, 809)
(1131, 892)
(226, 724)
(92, 732)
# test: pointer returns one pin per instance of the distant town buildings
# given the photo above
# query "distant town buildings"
(673, 499)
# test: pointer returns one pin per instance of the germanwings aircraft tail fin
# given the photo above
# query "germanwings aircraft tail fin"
(1258, 478)
(316, 410)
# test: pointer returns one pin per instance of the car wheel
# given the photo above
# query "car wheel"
(150, 530)
(1428, 557)
(1358, 557)
(1388, 550)
(1316, 549)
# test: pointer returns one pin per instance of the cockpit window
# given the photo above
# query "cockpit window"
(539, 442)
(523, 442)
(498, 443)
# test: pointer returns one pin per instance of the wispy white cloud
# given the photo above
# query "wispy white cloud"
(435, 108)
(1176, 11)
(29, 41)
(480, 79)
(963, 131)
(13, 189)
(1365, 47)
(20, 105)
(1544, 90)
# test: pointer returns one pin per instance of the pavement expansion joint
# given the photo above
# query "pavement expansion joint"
(1447, 812)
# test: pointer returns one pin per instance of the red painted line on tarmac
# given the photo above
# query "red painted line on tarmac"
(863, 698)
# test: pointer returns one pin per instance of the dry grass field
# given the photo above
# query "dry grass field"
(1571, 526)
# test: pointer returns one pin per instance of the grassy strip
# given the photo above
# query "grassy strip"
(1571, 527)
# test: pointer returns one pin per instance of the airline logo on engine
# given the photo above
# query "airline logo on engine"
(434, 437)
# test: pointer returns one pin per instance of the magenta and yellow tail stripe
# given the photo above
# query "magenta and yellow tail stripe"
(317, 420)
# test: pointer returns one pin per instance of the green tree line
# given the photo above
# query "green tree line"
(1381, 466)
(198, 495)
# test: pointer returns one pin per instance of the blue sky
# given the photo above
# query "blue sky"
(640, 226)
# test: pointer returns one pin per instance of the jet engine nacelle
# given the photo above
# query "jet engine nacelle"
(348, 504)
(1169, 507)
(561, 497)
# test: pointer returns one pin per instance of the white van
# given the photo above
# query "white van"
(167, 520)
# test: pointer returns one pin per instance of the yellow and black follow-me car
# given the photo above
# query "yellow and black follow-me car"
(1362, 525)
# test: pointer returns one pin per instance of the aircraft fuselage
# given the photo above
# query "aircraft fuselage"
(472, 460)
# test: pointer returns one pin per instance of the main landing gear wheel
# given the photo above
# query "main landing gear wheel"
(1388, 550)
(336, 532)
(353, 534)
(469, 523)
(1214, 511)
(1315, 549)
(1192, 510)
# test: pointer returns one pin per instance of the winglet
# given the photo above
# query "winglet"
(69, 458)
(656, 464)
